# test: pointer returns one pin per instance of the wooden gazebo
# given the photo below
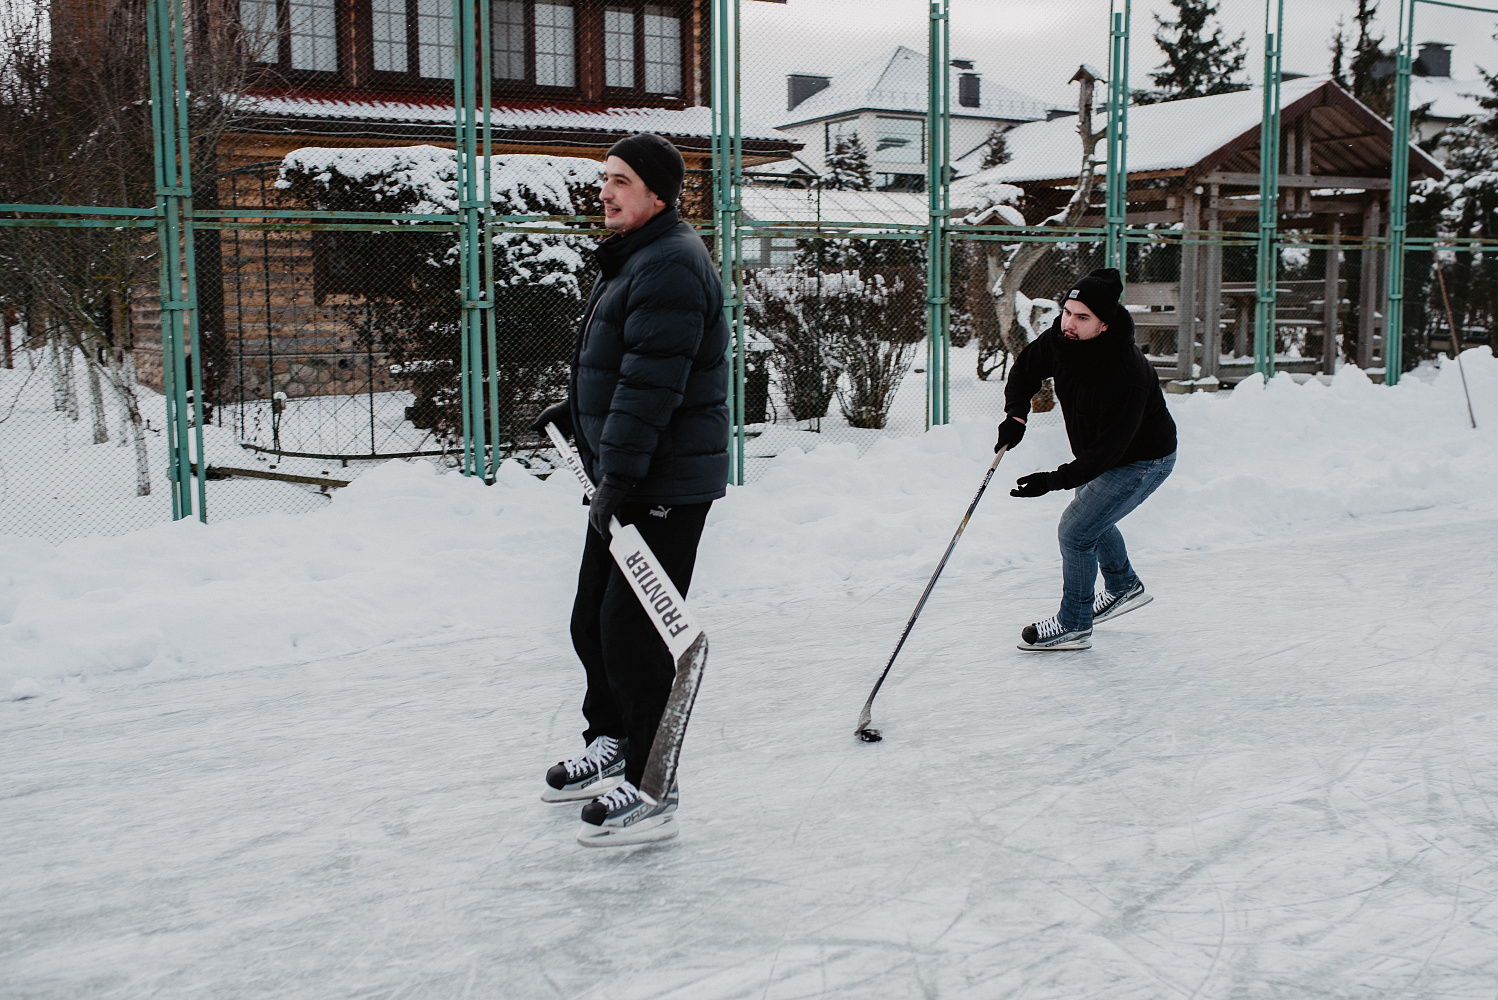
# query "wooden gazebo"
(1194, 165)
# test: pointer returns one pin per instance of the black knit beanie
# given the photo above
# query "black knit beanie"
(657, 162)
(1099, 292)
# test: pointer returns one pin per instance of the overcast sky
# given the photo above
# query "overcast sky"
(1035, 45)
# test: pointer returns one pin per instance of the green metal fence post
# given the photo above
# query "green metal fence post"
(1399, 196)
(1267, 270)
(174, 232)
(486, 98)
(1117, 178)
(939, 210)
(728, 170)
(472, 211)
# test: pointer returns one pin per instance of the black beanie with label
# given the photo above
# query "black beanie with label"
(657, 162)
(1099, 292)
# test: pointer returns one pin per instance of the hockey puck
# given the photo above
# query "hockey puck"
(870, 735)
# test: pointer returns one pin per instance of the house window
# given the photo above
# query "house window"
(837, 131)
(899, 140)
(413, 38)
(619, 47)
(556, 44)
(293, 34)
(662, 50)
(434, 39)
(388, 31)
(642, 48)
(508, 21)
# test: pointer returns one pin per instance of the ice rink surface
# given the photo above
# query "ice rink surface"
(1279, 780)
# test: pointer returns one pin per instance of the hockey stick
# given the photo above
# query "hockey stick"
(1456, 341)
(865, 717)
(669, 614)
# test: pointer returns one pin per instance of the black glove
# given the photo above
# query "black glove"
(557, 413)
(1036, 484)
(606, 500)
(1011, 432)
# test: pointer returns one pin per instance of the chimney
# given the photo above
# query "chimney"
(800, 86)
(1434, 60)
(968, 90)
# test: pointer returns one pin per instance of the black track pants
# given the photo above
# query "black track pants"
(628, 666)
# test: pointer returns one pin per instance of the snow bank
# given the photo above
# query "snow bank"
(405, 553)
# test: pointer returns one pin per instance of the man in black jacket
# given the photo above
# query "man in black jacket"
(647, 407)
(1124, 441)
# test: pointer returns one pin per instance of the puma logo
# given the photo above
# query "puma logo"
(661, 512)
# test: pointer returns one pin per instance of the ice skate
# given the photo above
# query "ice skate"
(1051, 634)
(621, 817)
(599, 769)
(1106, 606)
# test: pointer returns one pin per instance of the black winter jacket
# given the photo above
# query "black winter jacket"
(649, 384)
(1109, 394)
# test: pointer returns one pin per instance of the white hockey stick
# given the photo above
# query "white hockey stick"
(671, 617)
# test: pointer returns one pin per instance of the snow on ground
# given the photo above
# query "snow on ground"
(300, 755)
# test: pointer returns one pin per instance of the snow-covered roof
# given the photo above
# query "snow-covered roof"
(1176, 135)
(1448, 99)
(899, 208)
(694, 122)
(896, 81)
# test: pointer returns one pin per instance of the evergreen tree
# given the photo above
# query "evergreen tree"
(1372, 65)
(998, 149)
(1198, 61)
(848, 167)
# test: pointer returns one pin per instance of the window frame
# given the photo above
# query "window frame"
(282, 64)
(681, 12)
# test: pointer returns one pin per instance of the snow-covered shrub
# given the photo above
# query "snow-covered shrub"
(403, 288)
(831, 336)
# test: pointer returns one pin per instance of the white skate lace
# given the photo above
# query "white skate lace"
(1049, 628)
(619, 797)
(592, 759)
(1101, 601)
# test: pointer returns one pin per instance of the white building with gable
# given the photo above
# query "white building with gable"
(883, 102)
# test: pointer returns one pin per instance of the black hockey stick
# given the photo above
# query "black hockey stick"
(684, 638)
(873, 735)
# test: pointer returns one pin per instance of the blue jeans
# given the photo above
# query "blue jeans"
(1090, 538)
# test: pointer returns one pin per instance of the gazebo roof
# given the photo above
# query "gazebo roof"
(1221, 133)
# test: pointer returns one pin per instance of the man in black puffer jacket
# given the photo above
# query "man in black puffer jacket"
(647, 406)
(1124, 441)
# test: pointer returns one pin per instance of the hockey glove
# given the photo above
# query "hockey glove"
(1011, 432)
(606, 500)
(1036, 484)
(557, 413)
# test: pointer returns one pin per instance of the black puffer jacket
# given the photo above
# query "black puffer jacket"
(649, 374)
(1109, 394)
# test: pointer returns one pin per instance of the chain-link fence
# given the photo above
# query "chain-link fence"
(242, 266)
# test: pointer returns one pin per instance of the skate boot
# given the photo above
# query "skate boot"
(1106, 605)
(1051, 634)
(621, 817)
(599, 769)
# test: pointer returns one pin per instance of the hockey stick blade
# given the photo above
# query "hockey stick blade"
(660, 769)
(862, 730)
(678, 629)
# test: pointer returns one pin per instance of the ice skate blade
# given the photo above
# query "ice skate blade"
(585, 794)
(648, 831)
(1124, 607)
(1059, 647)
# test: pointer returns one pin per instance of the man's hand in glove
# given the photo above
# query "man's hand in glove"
(606, 500)
(1011, 431)
(557, 413)
(1036, 484)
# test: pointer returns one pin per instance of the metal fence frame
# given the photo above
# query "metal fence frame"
(175, 220)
